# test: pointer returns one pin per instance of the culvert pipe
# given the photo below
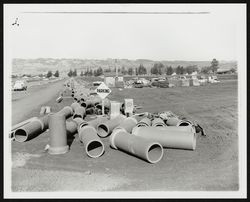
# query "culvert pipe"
(79, 112)
(93, 145)
(128, 124)
(98, 120)
(169, 137)
(177, 122)
(104, 129)
(148, 150)
(144, 122)
(66, 111)
(87, 104)
(71, 127)
(31, 130)
(57, 134)
(74, 105)
(158, 122)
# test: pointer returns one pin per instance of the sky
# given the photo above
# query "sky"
(162, 36)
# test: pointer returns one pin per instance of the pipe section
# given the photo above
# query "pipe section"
(128, 124)
(75, 105)
(93, 146)
(31, 129)
(169, 136)
(156, 122)
(146, 149)
(66, 111)
(104, 129)
(79, 112)
(58, 134)
(144, 122)
(71, 127)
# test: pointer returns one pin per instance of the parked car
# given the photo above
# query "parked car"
(20, 85)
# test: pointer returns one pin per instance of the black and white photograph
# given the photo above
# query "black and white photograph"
(125, 100)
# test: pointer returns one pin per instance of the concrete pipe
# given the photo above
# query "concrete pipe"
(104, 129)
(170, 137)
(66, 111)
(15, 127)
(144, 122)
(88, 103)
(90, 111)
(74, 105)
(79, 112)
(93, 146)
(95, 122)
(59, 99)
(128, 124)
(31, 129)
(177, 122)
(43, 110)
(146, 149)
(58, 134)
(71, 127)
(156, 122)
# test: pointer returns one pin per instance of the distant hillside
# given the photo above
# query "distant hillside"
(43, 65)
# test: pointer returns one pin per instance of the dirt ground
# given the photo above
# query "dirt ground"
(213, 166)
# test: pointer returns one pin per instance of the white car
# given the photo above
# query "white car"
(20, 85)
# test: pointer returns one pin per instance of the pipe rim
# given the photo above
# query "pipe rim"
(102, 130)
(112, 136)
(22, 136)
(184, 123)
(149, 150)
(100, 143)
(58, 150)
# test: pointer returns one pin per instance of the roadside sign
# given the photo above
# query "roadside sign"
(129, 106)
(103, 90)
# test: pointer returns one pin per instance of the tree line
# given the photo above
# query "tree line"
(157, 69)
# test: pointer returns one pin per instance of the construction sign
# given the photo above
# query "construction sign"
(103, 90)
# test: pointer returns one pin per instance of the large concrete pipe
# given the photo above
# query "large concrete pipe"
(156, 122)
(66, 111)
(31, 129)
(15, 127)
(104, 129)
(177, 122)
(172, 137)
(143, 148)
(57, 134)
(90, 111)
(144, 122)
(98, 120)
(79, 112)
(74, 105)
(93, 146)
(71, 127)
(128, 124)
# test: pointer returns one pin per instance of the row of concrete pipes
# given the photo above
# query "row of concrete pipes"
(137, 135)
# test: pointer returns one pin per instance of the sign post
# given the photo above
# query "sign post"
(103, 91)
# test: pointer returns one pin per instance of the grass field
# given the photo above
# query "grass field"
(213, 166)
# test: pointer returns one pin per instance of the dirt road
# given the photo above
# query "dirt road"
(213, 166)
(24, 102)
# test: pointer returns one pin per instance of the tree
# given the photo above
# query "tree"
(130, 71)
(49, 74)
(205, 70)
(74, 73)
(142, 70)
(169, 70)
(214, 65)
(81, 73)
(190, 69)
(56, 73)
(233, 70)
(123, 70)
(70, 73)
(157, 68)
(178, 69)
(136, 71)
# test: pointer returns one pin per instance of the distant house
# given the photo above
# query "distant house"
(224, 71)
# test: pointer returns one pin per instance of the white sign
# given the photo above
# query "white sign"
(129, 106)
(102, 90)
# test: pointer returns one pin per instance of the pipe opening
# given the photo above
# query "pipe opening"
(159, 125)
(155, 153)
(20, 135)
(142, 125)
(76, 116)
(102, 130)
(83, 124)
(184, 124)
(84, 104)
(95, 149)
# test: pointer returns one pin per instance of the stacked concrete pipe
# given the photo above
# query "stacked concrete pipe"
(32, 129)
(104, 129)
(79, 112)
(158, 122)
(171, 137)
(66, 111)
(128, 124)
(146, 149)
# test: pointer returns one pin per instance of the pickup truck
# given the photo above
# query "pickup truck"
(20, 85)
